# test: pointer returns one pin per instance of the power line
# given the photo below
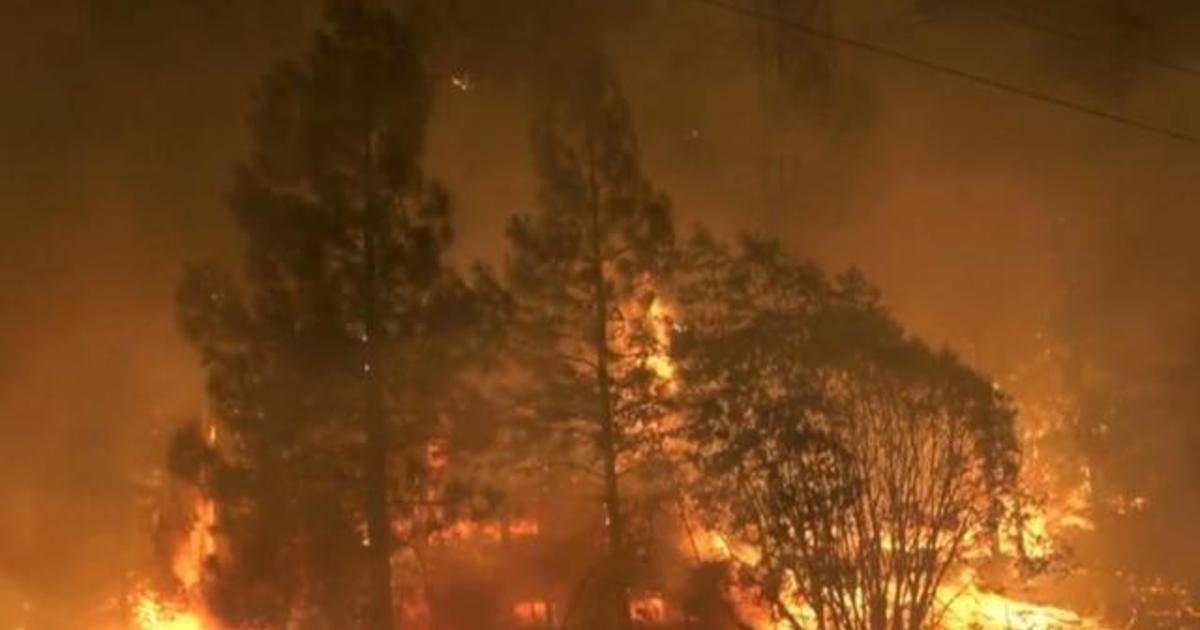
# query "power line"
(1018, 20)
(940, 68)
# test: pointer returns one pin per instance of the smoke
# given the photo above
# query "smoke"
(120, 122)
(988, 219)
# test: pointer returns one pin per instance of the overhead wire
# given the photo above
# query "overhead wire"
(1015, 19)
(951, 71)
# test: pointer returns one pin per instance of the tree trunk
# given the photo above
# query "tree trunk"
(380, 611)
(615, 523)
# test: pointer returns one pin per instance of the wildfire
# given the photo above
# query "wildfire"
(152, 610)
(532, 612)
(487, 531)
(151, 614)
(969, 605)
(967, 601)
(648, 609)
(199, 545)
(661, 319)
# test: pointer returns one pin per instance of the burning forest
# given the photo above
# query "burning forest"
(615, 315)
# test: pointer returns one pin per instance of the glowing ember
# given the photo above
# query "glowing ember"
(486, 531)
(523, 528)
(532, 612)
(651, 608)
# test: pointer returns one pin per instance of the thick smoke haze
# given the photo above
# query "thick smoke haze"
(990, 221)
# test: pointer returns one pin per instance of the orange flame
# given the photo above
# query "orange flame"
(649, 609)
(660, 320)
(154, 611)
(532, 612)
(969, 605)
(151, 614)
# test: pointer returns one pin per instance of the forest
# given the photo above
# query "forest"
(395, 442)
(583, 383)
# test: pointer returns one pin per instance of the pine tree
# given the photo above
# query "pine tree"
(321, 371)
(582, 272)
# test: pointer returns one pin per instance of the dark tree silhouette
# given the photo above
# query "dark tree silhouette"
(582, 272)
(334, 370)
(861, 463)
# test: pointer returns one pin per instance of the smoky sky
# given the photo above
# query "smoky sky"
(988, 220)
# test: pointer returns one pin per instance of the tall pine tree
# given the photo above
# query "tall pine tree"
(583, 273)
(327, 372)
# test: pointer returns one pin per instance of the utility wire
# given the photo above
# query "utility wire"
(943, 69)
(1019, 20)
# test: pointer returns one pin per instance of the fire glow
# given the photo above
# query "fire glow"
(967, 602)
(151, 614)
(154, 611)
